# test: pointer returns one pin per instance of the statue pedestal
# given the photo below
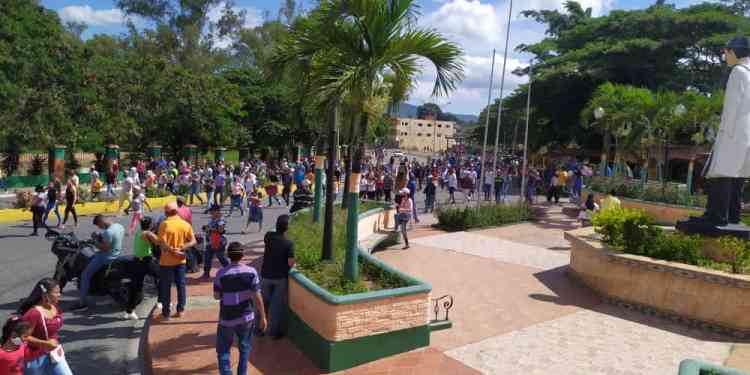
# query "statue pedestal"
(708, 229)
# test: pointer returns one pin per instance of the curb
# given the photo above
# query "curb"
(136, 358)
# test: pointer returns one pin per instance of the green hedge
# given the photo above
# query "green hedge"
(458, 219)
(20, 182)
(633, 232)
(308, 242)
(634, 189)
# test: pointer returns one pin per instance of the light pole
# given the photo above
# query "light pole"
(486, 127)
(502, 86)
(599, 114)
(524, 168)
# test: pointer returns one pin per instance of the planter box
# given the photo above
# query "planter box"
(693, 367)
(340, 332)
(662, 213)
(374, 221)
(695, 295)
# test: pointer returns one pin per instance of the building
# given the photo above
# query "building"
(428, 134)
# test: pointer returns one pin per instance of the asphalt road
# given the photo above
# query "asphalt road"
(99, 339)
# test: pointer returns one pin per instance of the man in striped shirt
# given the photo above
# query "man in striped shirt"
(237, 287)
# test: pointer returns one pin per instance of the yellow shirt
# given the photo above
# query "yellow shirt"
(176, 233)
(96, 186)
(610, 202)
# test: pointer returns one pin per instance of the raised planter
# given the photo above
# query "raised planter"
(697, 296)
(662, 213)
(694, 367)
(340, 332)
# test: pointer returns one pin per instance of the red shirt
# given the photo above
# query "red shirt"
(12, 363)
(185, 213)
(34, 317)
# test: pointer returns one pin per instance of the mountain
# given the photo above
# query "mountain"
(410, 111)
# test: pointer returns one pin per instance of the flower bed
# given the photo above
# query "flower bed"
(663, 213)
(339, 324)
(692, 295)
(491, 215)
(673, 194)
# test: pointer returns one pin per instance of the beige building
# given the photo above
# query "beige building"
(426, 134)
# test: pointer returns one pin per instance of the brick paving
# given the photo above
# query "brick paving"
(515, 312)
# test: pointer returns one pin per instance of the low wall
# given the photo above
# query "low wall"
(339, 332)
(375, 221)
(695, 295)
(662, 213)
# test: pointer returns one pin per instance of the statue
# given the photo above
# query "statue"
(729, 163)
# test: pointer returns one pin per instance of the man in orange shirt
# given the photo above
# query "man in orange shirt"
(178, 235)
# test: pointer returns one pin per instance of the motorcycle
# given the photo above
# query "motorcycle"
(73, 255)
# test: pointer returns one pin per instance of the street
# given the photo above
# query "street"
(101, 338)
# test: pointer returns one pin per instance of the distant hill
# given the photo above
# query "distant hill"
(410, 111)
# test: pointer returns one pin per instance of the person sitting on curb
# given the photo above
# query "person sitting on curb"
(237, 287)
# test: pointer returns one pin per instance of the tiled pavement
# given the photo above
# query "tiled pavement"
(516, 312)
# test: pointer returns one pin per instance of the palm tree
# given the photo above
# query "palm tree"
(352, 45)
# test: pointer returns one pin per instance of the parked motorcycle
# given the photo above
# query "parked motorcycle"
(73, 255)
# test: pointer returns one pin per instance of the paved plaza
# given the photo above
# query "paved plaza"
(516, 312)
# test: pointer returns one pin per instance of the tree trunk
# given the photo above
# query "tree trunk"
(331, 186)
(347, 175)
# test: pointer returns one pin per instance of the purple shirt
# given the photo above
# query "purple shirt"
(236, 283)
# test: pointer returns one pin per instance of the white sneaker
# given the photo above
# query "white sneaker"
(133, 316)
(159, 306)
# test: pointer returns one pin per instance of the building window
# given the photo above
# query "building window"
(440, 135)
(448, 126)
(429, 125)
(419, 134)
(440, 125)
(420, 124)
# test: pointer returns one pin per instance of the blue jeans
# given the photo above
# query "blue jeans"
(43, 366)
(168, 275)
(52, 206)
(97, 262)
(209, 198)
(225, 339)
(208, 258)
(275, 296)
(236, 202)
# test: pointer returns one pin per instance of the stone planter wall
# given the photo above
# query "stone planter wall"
(662, 213)
(338, 332)
(695, 295)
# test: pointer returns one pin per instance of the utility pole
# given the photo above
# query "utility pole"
(502, 86)
(482, 170)
(524, 170)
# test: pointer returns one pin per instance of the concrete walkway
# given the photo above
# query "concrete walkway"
(515, 312)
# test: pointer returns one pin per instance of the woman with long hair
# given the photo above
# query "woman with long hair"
(71, 198)
(53, 193)
(40, 309)
(38, 208)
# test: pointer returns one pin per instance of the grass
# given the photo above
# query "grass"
(458, 219)
(308, 242)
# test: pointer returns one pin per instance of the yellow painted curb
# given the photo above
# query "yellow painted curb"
(12, 215)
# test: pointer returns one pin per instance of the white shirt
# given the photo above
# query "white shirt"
(452, 180)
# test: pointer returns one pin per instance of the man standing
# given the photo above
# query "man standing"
(178, 237)
(109, 245)
(278, 259)
(235, 286)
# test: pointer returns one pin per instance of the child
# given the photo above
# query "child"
(15, 333)
(136, 205)
(96, 187)
(216, 241)
(256, 210)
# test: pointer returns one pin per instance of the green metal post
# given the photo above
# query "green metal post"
(691, 166)
(57, 163)
(154, 151)
(319, 165)
(351, 266)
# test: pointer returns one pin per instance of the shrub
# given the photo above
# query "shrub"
(37, 165)
(737, 251)
(629, 188)
(23, 200)
(308, 242)
(155, 192)
(610, 224)
(678, 247)
(458, 219)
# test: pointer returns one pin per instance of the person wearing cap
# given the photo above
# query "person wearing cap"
(405, 207)
(729, 164)
(177, 236)
(237, 287)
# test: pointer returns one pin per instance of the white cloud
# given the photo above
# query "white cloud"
(91, 16)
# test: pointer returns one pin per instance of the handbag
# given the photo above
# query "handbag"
(57, 354)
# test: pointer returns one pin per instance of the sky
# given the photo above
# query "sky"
(477, 26)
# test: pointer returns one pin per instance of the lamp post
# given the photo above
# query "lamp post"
(599, 114)
(524, 168)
